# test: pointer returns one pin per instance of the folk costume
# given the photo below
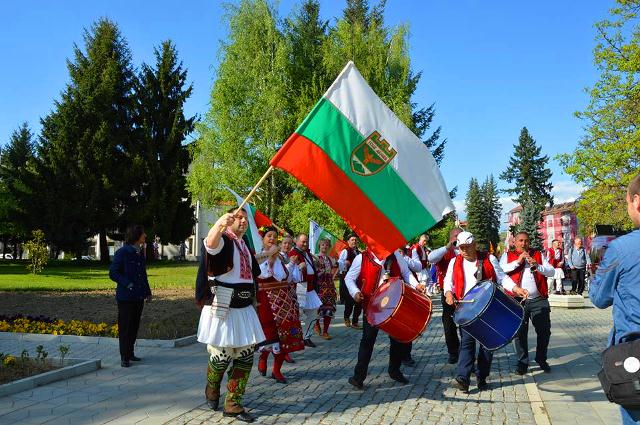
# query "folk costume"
(441, 258)
(308, 299)
(350, 306)
(536, 306)
(278, 313)
(461, 276)
(229, 323)
(419, 255)
(556, 260)
(327, 293)
(364, 276)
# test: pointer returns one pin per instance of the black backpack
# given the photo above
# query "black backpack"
(620, 373)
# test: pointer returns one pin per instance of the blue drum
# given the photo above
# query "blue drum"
(489, 315)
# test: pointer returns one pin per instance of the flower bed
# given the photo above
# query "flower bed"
(13, 368)
(43, 325)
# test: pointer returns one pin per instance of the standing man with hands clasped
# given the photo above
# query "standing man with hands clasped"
(129, 271)
(529, 270)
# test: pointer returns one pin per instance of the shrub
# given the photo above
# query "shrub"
(38, 253)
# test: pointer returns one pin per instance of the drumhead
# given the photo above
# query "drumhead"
(384, 301)
(481, 294)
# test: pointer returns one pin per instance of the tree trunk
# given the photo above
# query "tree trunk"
(149, 253)
(15, 249)
(5, 239)
(104, 248)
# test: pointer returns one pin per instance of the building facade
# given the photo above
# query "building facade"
(558, 222)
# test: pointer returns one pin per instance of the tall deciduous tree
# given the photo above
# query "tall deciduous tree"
(248, 119)
(160, 161)
(608, 155)
(87, 135)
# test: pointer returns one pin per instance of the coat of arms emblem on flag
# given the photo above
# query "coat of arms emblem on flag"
(372, 155)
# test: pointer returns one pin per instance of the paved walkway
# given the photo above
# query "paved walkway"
(167, 386)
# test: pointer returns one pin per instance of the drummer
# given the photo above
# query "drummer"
(369, 272)
(462, 274)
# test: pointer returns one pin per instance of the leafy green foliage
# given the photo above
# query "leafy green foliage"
(271, 73)
(608, 155)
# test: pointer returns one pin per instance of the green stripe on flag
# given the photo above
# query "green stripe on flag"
(330, 130)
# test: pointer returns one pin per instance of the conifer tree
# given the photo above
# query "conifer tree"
(86, 137)
(160, 200)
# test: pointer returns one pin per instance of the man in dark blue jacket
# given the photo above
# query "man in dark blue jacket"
(617, 282)
(129, 271)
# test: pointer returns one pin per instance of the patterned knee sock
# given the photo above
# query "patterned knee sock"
(327, 321)
(218, 362)
(237, 381)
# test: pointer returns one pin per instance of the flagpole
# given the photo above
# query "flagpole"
(262, 179)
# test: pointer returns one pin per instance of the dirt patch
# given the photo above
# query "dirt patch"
(171, 314)
(24, 368)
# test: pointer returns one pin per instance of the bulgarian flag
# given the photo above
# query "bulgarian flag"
(256, 219)
(316, 233)
(362, 161)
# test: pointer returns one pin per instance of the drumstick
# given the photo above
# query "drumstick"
(465, 301)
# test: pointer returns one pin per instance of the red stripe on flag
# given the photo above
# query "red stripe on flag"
(261, 219)
(304, 160)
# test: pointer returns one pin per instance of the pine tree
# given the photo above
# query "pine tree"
(86, 137)
(528, 173)
(493, 210)
(475, 210)
(532, 183)
(483, 211)
(16, 174)
(530, 224)
(160, 200)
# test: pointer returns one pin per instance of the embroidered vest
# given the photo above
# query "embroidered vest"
(370, 274)
(488, 273)
(421, 255)
(309, 278)
(443, 264)
(516, 275)
(551, 255)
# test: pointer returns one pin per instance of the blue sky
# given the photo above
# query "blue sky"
(491, 67)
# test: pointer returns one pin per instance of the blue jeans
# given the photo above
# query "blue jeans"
(467, 358)
(630, 417)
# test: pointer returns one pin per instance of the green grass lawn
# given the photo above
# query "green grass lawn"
(89, 276)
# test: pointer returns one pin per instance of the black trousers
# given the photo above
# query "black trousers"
(369, 334)
(539, 311)
(450, 328)
(577, 280)
(129, 313)
(350, 306)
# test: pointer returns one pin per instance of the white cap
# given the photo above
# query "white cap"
(464, 238)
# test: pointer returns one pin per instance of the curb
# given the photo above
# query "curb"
(100, 340)
(76, 367)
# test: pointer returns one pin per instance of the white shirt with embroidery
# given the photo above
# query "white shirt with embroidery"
(233, 275)
(356, 266)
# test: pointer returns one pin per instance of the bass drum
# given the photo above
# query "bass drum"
(489, 315)
(399, 310)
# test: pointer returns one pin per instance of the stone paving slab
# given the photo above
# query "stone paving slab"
(167, 386)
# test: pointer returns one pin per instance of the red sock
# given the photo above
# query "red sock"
(262, 362)
(278, 359)
(327, 321)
